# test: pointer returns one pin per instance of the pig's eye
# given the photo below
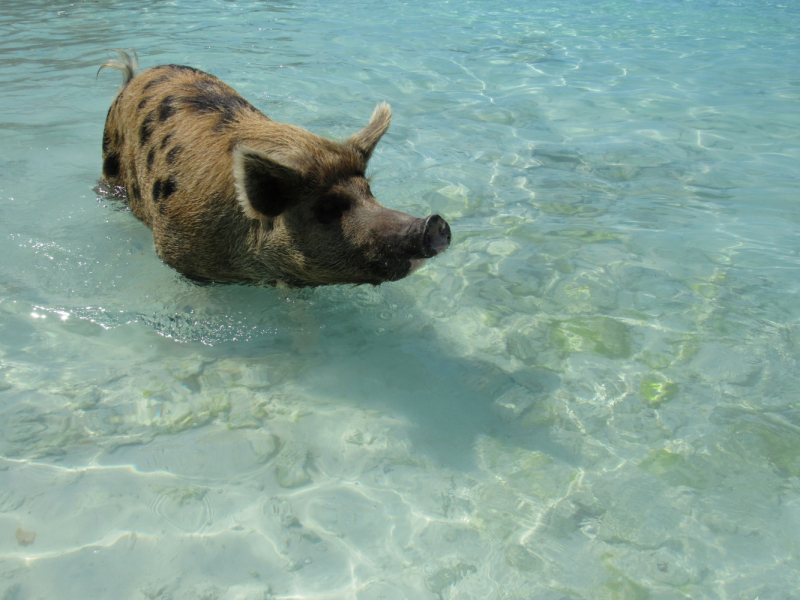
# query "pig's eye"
(330, 208)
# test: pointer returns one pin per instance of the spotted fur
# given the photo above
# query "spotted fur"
(232, 195)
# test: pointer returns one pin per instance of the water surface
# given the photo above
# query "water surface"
(592, 395)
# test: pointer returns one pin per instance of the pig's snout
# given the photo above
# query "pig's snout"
(435, 236)
(421, 239)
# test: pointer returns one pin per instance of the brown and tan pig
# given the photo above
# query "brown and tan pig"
(234, 196)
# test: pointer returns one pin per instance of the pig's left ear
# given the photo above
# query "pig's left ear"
(264, 186)
(365, 140)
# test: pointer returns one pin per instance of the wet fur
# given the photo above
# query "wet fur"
(180, 142)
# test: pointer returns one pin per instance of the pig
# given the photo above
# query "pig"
(233, 196)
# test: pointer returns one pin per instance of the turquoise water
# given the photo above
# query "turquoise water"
(594, 394)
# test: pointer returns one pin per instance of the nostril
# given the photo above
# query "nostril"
(436, 237)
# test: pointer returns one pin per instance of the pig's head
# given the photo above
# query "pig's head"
(324, 226)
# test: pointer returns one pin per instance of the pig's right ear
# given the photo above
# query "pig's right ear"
(264, 187)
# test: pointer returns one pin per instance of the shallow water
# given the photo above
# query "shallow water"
(592, 394)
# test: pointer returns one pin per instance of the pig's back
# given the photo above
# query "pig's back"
(168, 141)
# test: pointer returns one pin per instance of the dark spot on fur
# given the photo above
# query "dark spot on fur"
(166, 109)
(142, 103)
(166, 139)
(106, 142)
(133, 185)
(173, 154)
(164, 188)
(150, 156)
(212, 98)
(168, 187)
(155, 81)
(111, 165)
(183, 68)
(209, 84)
(146, 129)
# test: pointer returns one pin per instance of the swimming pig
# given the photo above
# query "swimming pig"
(234, 196)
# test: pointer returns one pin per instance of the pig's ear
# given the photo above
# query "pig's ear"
(365, 140)
(264, 187)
